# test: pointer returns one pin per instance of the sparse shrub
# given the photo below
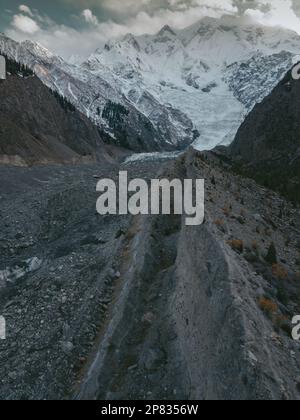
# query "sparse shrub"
(271, 256)
(268, 306)
(268, 232)
(132, 232)
(282, 295)
(255, 247)
(243, 213)
(226, 211)
(197, 164)
(241, 220)
(279, 272)
(251, 257)
(237, 245)
(282, 322)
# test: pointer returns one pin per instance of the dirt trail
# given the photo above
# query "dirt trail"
(136, 355)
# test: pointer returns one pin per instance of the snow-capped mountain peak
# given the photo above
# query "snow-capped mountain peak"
(166, 33)
(131, 41)
(191, 70)
(37, 49)
(166, 29)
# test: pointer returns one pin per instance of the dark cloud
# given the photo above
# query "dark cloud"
(79, 26)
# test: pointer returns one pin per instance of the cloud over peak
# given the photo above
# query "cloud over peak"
(89, 17)
(92, 22)
(25, 24)
(25, 9)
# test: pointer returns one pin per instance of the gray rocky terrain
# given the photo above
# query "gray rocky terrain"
(202, 314)
(145, 307)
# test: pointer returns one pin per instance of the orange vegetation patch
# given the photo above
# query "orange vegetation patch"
(237, 245)
(268, 306)
(279, 272)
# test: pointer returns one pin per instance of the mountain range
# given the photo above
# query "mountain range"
(168, 90)
(144, 307)
(136, 307)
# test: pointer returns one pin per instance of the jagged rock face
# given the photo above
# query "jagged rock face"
(36, 128)
(251, 80)
(267, 145)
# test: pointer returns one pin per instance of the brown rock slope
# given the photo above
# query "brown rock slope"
(37, 127)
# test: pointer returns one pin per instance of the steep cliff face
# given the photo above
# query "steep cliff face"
(37, 126)
(267, 145)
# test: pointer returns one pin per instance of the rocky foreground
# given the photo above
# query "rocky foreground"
(145, 307)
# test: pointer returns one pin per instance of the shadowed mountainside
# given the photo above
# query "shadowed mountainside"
(37, 126)
(267, 145)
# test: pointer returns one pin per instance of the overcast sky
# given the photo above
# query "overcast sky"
(80, 26)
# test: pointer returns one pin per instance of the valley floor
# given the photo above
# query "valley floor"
(144, 307)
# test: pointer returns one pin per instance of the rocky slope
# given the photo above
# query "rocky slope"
(267, 145)
(37, 126)
(145, 307)
(201, 313)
